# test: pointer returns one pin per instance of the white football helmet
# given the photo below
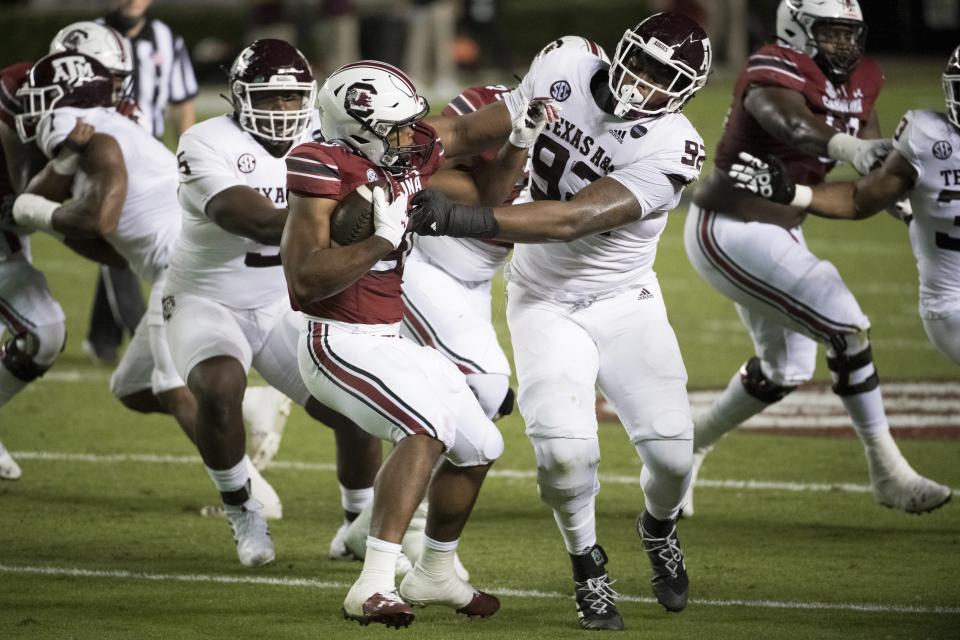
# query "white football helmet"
(797, 23)
(98, 41)
(951, 87)
(669, 56)
(363, 102)
(574, 42)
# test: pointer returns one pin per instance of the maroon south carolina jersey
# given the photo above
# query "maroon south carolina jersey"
(333, 170)
(845, 107)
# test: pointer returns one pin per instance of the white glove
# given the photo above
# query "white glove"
(531, 119)
(864, 155)
(34, 213)
(389, 219)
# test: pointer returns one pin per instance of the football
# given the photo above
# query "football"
(352, 220)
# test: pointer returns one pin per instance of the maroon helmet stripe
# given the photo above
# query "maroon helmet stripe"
(15, 321)
(383, 66)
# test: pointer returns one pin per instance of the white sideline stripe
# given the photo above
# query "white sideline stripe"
(867, 607)
(510, 474)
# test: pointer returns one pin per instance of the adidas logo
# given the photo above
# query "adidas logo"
(618, 134)
(644, 294)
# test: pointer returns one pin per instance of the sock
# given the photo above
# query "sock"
(232, 483)
(353, 501)
(733, 407)
(379, 565)
(578, 529)
(867, 414)
(437, 557)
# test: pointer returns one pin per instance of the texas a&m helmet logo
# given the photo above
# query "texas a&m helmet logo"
(73, 71)
(358, 99)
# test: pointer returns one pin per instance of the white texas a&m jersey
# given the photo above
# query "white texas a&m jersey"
(215, 155)
(150, 220)
(931, 143)
(654, 157)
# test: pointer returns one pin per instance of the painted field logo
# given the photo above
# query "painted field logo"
(942, 150)
(560, 90)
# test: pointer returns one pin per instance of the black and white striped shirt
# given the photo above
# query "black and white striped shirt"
(162, 73)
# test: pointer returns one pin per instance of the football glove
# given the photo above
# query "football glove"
(864, 155)
(767, 178)
(530, 121)
(389, 219)
(434, 215)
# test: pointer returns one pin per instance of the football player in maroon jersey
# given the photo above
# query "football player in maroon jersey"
(351, 356)
(807, 99)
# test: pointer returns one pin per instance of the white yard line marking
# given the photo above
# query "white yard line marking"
(866, 607)
(509, 474)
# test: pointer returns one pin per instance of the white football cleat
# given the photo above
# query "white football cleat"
(9, 469)
(422, 589)
(254, 546)
(365, 604)
(338, 546)
(265, 412)
(262, 492)
(686, 509)
(896, 484)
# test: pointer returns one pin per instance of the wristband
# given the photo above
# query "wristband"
(802, 197)
(33, 212)
(843, 146)
(472, 222)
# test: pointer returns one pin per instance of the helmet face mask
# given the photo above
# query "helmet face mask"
(951, 87)
(658, 66)
(64, 79)
(368, 105)
(265, 70)
(832, 32)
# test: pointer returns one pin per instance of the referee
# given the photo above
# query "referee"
(164, 88)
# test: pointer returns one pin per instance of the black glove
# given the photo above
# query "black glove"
(765, 177)
(432, 214)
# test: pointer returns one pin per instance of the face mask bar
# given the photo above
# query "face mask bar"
(625, 83)
(276, 125)
(37, 103)
(841, 63)
(381, 129)
(951, 91)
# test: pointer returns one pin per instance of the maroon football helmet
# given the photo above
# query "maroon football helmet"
(667, 56)
(63, 79)
(271, 66)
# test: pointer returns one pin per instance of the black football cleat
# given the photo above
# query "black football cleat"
(669, 575)
(596, 599)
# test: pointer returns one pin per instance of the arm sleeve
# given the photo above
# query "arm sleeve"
(204, 172)
(312, 173)
(183, 82)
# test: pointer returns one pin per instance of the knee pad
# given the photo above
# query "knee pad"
(665, 459)
(476, 447)
(567, 472)
(29, 355)
(850, 360)
(559, 408)
(490, 389)
(758, 385)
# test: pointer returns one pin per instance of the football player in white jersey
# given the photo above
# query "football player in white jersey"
(584, 305)
(226, 304)
(924, 165)
(124, 190)
(32, 317)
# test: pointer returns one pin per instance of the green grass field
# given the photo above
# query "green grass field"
(101, 537)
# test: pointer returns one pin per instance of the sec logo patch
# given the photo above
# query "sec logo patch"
(942, 150)
(560, 90)
(246, 163)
